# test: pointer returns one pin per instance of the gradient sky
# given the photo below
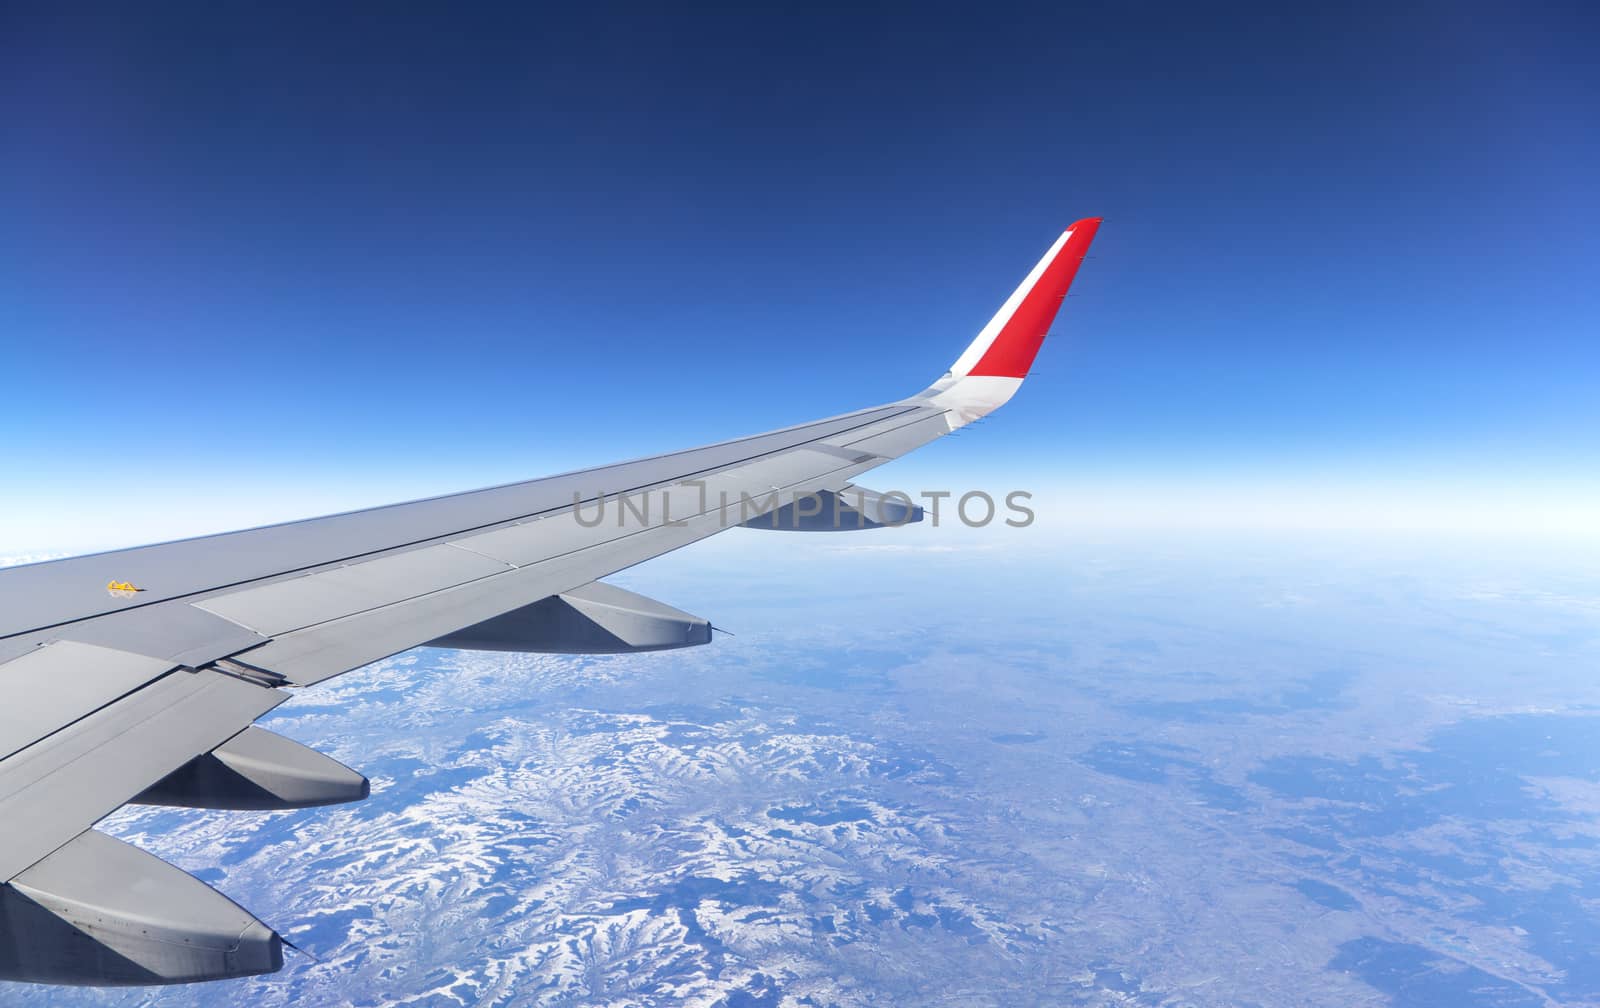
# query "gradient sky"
(261, 262)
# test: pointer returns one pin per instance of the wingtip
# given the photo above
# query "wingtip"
(1008, 344)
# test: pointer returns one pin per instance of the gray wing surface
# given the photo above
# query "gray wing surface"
(136, 675)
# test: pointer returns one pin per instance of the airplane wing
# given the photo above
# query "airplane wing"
(136, 675)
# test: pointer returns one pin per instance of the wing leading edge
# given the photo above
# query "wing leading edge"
(136, 675)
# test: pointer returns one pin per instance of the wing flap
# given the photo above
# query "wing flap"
(56, 685)
(67, 782)
(282, 606)
(902, 439)
(307, 657)
(175, 631)
(321, 652)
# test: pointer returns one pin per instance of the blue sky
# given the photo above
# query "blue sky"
(258, 264)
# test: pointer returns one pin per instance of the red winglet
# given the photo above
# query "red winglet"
(1013, 349)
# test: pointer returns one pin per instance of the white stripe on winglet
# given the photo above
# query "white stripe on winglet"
(974, 353)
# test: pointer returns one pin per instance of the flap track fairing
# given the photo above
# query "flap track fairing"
(102, 913)
(848, 510)
(258, 770)
(595, 619)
